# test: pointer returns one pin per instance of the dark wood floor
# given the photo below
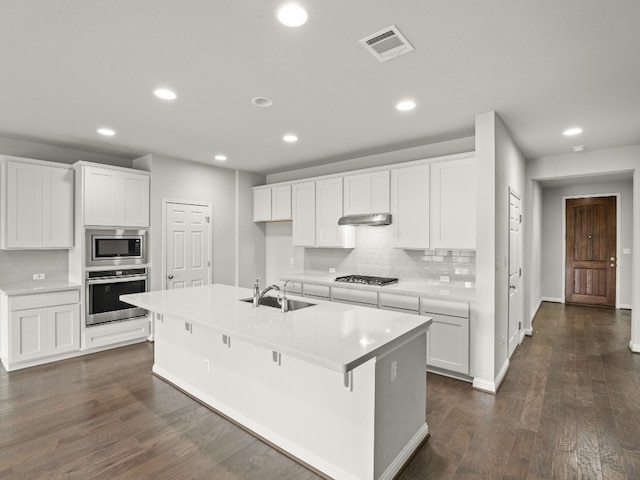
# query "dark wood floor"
(569, 407)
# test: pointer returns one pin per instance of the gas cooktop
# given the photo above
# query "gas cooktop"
(367, 280)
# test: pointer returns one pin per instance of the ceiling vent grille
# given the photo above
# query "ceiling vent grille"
(387, 44)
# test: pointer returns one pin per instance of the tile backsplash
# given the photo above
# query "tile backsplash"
(374, 255)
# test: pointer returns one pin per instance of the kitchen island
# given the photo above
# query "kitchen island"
(341, 388)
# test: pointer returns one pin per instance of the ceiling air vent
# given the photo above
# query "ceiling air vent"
(387, 44)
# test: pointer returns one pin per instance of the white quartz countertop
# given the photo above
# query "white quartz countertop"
(409, 288)
(29, 287)
(332, 335)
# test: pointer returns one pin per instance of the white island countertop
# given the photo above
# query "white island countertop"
(332, 335)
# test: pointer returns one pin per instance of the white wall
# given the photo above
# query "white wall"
(500, 166)
(177, 179)
(552, 235)
(598, 162)
(533, 252)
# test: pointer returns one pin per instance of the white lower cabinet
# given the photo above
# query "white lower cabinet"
(448, 336)
(40, 327)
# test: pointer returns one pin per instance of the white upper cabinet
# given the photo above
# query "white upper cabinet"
(304, 214)
(328, 212)
(281, 202)
(366, 193)
(37, 204)
(410, 206)
(261, 204)
(453, 200)
(272, 203)
(115, 197)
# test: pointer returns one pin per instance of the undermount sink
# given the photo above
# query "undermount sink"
(273, 302)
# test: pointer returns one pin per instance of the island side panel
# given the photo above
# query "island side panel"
(304, 409)
(400, 416)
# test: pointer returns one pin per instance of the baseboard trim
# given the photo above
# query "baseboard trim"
(483, 385)
(634, 347)
(502, 373)
(625, 306)
(528, 332)
(551, 299)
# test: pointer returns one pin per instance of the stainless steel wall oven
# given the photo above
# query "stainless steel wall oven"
(104, 288)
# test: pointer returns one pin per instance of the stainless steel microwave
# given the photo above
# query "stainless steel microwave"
(116, 247)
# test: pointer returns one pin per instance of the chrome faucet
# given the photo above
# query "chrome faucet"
(264, 292)
(259, 295)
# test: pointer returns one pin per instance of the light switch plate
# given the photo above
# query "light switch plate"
(626, 251)
(38, 276)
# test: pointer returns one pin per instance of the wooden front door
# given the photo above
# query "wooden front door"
(591, 251)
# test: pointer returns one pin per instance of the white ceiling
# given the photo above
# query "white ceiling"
(68, 67)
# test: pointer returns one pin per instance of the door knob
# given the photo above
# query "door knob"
(170, 276)
(612, 265)
(612, 259)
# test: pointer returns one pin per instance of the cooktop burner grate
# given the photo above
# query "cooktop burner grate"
(367, 280)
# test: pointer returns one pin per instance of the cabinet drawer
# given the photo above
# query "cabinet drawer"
(312, 290)
(444, 307)
(38, 300)
(355, 296)
(402, 302)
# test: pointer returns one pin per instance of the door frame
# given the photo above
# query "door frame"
(165, 202)
(520, 307)
(564, 239)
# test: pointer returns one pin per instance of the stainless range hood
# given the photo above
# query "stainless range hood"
(367, 219)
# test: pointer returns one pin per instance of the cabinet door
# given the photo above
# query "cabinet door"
(453, 200)
(63, 329)
(24, 205)
(135, 208)
(102, 199)
(366, 193)
(328, 212)
(115, 198)
(57, 191)
(261, 204)
(28, 334)
(448, 343)
(304, 214)
(281, 202)
(410, 207)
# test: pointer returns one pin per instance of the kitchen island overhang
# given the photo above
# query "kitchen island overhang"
(340, 388)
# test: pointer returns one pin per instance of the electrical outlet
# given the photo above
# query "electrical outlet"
(467, 285)
(206, 365)
(332, 270)
(38, 276)
(444, 278)
(291, 261)
(394, 370)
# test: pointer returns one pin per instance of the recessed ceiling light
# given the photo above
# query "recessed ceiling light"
(106, 132)
(292, 15)
(262, 102)
(165, 94)
(290, 137)
(406, 105)
(578, 148)
(220, 157)
(572, 131)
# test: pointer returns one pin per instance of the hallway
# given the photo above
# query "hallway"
(568, 408)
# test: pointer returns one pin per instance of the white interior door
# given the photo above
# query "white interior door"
(515, 271)
(187, 255)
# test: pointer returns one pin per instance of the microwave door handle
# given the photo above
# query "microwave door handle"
(95, 281)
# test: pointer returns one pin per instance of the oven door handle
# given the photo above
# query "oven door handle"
(95, 281)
